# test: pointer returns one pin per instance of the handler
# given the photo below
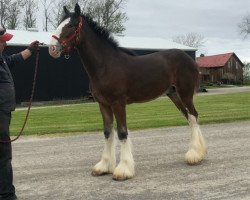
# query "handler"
(7, 105)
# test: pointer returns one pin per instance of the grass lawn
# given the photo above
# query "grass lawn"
(158, 113)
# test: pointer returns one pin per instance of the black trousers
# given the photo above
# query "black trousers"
(7, 189)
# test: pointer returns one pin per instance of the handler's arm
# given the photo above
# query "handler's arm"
(26, 54)
(31, 48)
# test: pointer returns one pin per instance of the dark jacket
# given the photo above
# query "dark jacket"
(7, 90)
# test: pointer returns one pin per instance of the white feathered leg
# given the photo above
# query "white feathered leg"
(126, 167)
(108, 160)
(197, 149)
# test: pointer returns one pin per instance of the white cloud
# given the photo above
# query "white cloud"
(219, 45)
(215, 20)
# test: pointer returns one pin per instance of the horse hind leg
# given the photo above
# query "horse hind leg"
(108, 159)
(197, 148)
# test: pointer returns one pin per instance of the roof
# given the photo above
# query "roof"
(214, 60)
(149, 43)
(24, 38)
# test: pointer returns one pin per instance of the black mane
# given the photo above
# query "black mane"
(101, 32)
(104, 34)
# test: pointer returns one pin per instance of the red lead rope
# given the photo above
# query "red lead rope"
(30, 102)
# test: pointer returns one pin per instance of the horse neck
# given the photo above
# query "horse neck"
(95, 53)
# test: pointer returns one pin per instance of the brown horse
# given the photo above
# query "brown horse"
(117, 77)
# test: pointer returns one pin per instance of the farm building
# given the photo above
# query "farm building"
(223, 68)
(67, 79)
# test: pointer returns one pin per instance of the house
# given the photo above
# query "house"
(67, 79)
(222, 68)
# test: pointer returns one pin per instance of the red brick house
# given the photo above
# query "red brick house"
(223, 68)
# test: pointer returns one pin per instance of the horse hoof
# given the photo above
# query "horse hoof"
(120, 178)
(98, 173)
(123, 172)
(192, 157)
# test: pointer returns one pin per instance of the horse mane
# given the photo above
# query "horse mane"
(102, 32)
(105, 35)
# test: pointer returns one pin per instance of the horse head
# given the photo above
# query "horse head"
(67, 34)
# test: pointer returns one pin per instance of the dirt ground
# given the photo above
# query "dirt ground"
(60, 168)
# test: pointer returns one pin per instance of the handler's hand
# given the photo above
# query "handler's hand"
(33, 46)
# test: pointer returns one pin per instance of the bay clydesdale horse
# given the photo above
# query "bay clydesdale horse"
(118, 77)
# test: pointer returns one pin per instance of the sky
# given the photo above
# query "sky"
(216, 20)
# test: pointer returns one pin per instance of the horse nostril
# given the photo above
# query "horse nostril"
(52, 48)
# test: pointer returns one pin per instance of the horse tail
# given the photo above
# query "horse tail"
(198, 79)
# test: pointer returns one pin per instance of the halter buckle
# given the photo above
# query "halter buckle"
(66, 56)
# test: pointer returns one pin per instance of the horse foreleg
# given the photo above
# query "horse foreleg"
(108, 160)
(126, 166)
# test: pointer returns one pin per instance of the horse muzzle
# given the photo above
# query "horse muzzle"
(55, 51)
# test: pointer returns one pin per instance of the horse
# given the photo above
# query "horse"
(119, 77)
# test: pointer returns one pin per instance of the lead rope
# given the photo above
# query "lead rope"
(30, 101)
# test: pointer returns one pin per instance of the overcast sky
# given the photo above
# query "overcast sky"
(216, 20)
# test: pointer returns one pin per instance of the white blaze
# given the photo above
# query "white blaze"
(54, 44)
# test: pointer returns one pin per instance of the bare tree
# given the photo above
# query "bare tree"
(246, 73)
(30, 9)
(57, 9)
(46, 13)
(82, 3)
(106, 12)
(191, 39)
(14, 12)
(4, 5)
(57, 12)
(244, 26)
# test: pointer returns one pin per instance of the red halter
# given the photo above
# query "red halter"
(65, 42)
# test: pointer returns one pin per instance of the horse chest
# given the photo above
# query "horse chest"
(105, 94)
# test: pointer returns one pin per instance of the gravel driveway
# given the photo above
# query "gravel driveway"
(59, 168)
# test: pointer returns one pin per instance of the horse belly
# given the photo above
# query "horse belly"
(147, 90)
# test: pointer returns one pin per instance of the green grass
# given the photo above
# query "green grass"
(158, 113)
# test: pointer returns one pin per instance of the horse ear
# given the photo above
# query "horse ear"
(65, 10)
(2, 29)
(77, 10)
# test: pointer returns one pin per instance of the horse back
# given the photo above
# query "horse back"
(151, 75)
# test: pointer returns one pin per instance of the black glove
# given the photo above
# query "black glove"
(33, 46)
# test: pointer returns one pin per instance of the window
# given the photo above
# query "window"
(229, 64)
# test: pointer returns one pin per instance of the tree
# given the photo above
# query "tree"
(46, 13)
(246, 73)
(30, 9)
(106, 12)
(4, 5)
(14, 12)
(191, 39)
(244, 26)
(57, 12)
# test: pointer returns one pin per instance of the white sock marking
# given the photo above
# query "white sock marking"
(108, 160)
(197, 149)
(126, 166)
